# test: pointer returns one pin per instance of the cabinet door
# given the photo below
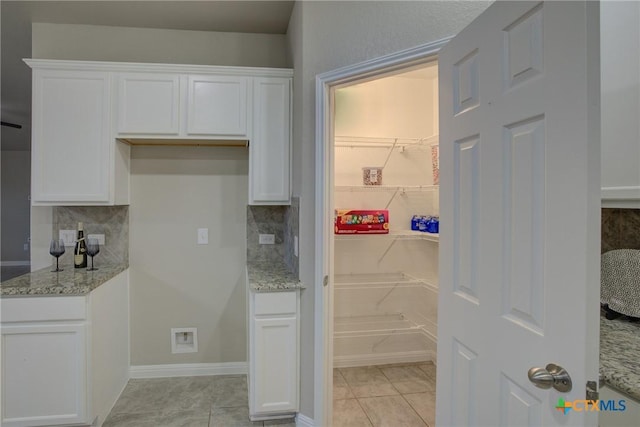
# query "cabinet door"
(44, 375)
(71, 154)
(148, 104)
(276, 367)
(269, 161)
(217, 105)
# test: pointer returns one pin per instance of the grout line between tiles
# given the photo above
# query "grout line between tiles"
(414, 410)
(390, 382)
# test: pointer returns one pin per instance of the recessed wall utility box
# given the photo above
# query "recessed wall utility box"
(266, 239)
(184, 340)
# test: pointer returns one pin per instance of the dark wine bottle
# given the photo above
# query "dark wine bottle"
(80, 251)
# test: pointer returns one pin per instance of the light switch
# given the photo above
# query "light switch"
(295, 245)
(203, 236)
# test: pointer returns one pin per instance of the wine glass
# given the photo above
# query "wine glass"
(93, 247)
(56, 248)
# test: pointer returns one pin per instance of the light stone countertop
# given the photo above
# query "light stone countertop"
(269, 276)
(70, 282)
(620, 355)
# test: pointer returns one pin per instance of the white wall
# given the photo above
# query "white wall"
(174, 281)
(620, 97)
(391, 107)
(324, 36)
(103, 43)
(16, 170)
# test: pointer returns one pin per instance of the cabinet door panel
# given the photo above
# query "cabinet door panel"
(71, 129)
(276, 375)
(148, 104)
(269, 181)
(217, 105)
(43, 387)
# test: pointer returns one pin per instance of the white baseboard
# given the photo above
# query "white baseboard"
(14, 263)
(304, 421)
(188, 370)
(629, 194)
(383, 359)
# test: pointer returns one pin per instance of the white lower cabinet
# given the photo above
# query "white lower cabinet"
(44, 374)
(273, 355)
(624, 412)
(50, 374)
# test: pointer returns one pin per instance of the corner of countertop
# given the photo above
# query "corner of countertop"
(69, 282)
(271, 276)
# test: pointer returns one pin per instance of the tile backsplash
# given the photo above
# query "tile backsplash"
(112, 221)
(282, 222)
(265, 220)
(291, 229)
(620, 229)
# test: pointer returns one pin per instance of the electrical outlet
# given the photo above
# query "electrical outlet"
(26, 246)
(266, 239)
(100, 238)
(203, 236)
(69, 237)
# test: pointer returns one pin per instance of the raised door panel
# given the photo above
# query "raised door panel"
(71, 137)
(217, 105)
(148, 104)
(269, 161)
(43, 387)
(276, 375)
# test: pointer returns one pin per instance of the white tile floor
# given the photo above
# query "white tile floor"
(388, 395)
(214, 401)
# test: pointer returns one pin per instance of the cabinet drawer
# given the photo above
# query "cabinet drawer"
(275, 303)
(35, 309)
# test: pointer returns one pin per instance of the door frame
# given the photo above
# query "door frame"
(323, 294)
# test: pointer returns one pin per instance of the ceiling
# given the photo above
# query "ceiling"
(270, 17)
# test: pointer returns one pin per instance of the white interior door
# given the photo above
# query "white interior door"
(520, 213)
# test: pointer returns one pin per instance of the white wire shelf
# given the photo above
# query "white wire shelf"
(380, 324)
(380, 280)
(401, 143)
(393, 235)
(386, 188)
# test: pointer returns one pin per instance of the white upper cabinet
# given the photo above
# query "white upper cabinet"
(171, 105)
(86, 114)
(217, 105)
(270, 148)
(148, 103)
(72, 152)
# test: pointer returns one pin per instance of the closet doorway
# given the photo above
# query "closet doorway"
(379, 320)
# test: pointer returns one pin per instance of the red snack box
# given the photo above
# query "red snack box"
(361, 221)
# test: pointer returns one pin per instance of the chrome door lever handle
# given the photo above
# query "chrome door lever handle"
(552, 376)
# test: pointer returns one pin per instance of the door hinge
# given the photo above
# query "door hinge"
(592, 391)
(325, 281)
